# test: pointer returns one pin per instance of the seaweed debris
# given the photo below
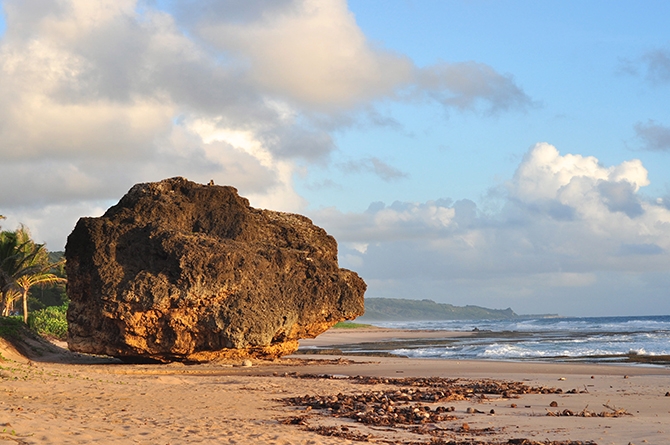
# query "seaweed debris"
(410, 405)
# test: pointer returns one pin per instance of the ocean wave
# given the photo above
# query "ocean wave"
(512, 352)
(632, 339)
(574, 324)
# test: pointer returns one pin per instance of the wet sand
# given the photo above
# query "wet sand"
(63, 398)
(337, 337)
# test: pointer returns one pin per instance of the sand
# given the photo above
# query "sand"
(64, 398)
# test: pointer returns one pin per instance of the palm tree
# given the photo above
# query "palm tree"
(36, 278)
(9, 266)
(9, 297)
(23, 264)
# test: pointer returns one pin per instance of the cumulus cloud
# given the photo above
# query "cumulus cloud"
(94, 104)
(565, 221)
(312, 53)
(100, 95)
(654, 136)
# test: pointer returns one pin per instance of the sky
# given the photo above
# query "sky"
(501, 154)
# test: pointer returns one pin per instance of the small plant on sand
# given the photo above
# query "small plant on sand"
(50, 322)
(351, 325)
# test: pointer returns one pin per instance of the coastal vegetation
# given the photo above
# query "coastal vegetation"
(24, 266)
(50, 322)
(10, 327)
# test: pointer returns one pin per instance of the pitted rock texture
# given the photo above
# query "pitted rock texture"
(183, 271)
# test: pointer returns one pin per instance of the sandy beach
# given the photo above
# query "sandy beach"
(58, 397)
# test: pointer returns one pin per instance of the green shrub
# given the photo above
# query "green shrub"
(50, 322)
(10, 327)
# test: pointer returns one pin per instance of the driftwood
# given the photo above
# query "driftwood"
(613, 412)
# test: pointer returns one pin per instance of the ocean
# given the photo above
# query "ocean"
(634, 340)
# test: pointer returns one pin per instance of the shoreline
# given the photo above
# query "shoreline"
(65, 398)
(345, 336)
(381, 341)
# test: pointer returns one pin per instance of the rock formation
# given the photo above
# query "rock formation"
(182, 271)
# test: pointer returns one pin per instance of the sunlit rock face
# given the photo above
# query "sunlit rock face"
(183, 271)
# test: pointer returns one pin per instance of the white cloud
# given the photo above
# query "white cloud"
(100, 95)
(97, 98)
(545, 174)
(566, 222)
(398, 221)
(280, 195)
(314, 54)
(46, 223)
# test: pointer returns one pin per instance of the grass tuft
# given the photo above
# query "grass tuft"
(351, 325)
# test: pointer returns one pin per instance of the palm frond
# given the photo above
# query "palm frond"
(23, 264)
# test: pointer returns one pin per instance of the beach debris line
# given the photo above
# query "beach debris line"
(375, 408)
(430, 388)
(510, 442)
(413, 405)
(409, 405)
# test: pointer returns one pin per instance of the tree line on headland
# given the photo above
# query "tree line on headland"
(26, 266)
(392, 309)
(401, 309)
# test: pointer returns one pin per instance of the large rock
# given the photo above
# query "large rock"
(182, 271)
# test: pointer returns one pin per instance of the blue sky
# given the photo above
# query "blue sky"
(568, 57)
(472, 152)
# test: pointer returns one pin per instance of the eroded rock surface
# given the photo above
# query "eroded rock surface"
(182, 271)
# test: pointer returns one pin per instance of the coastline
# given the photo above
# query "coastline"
(336, 337)
(563, 346)
(64, 398)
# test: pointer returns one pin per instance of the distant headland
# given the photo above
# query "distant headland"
(401, 309)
